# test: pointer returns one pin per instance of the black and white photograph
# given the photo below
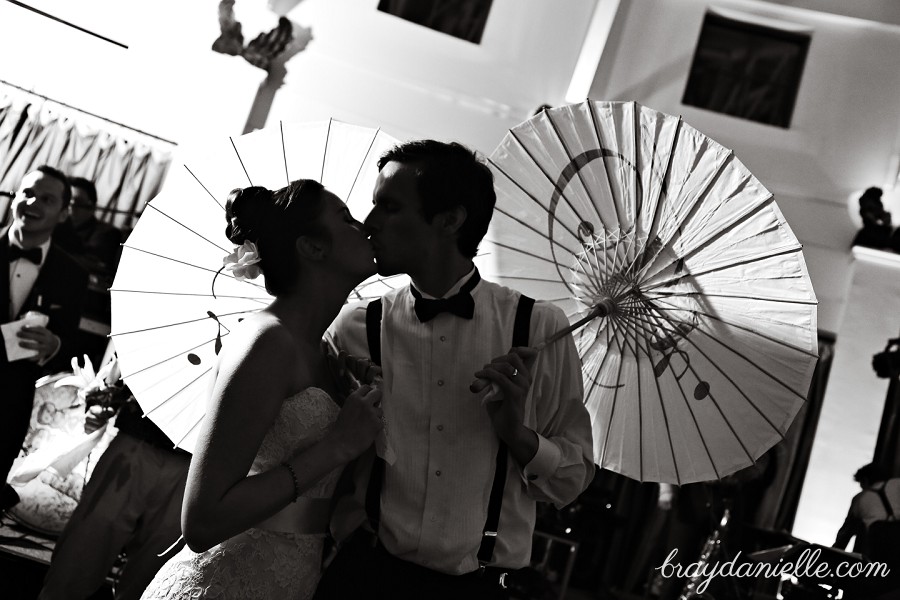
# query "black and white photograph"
(470, 299)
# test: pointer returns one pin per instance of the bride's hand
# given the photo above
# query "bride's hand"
(360, 420)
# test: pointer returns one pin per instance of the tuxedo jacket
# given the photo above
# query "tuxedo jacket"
(59, 293)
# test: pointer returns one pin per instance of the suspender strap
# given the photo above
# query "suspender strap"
(523, 321)
(887, 505)
(373, 330)
(376, 477)
(495, 504)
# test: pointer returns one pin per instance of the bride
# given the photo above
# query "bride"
(256, 505)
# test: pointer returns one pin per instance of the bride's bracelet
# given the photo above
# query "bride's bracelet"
(294, 477)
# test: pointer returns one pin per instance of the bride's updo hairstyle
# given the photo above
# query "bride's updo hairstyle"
(273, 221)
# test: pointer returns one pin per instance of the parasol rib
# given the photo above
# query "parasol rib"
(661, 295)
(741, 215)
(325, 152)
(571, 158)
(675, 229)
(691, 410)
(731, 380)
(287, 175)
(559, 191)
(742, 356)
(167, 325)
(693, 416)
(615, 398)
(240, 160)
(533, 199)
(712, 397)
(728, 265)
(174, 356)
(191, 429)
(196, 295)
(531, 228)
(186, 386)
(593, 112)
(363, 162)
(768, 338)
(768, 253)
(204, 187)
(659, 207)
(160, 381)
(640, 408)
(187, 264)
(194, 231)
(521, 251)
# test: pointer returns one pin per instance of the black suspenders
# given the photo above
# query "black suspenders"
(376, 479)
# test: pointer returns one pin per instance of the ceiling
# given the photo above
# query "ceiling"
(880, 11)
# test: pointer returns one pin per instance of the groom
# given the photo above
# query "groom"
(454, 514)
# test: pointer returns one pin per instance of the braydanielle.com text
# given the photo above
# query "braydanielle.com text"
(807, 565)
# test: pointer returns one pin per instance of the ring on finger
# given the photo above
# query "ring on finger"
(515, 372)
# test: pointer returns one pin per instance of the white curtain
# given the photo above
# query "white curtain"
(127, 166)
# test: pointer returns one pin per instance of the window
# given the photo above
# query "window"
(460, 18)
(747, 70)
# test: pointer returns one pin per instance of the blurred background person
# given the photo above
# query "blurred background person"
(39, 277)
(97, 245)
(131, 504)
(876, 229)
(879, 498)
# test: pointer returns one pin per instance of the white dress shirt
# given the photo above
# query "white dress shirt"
(435, 496)
(22, 275)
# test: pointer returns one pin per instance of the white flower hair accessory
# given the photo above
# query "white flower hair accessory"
(243, 263)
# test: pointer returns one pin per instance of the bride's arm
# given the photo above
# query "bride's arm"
(220, 499)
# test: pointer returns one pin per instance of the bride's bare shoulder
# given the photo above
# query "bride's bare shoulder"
(261, 336)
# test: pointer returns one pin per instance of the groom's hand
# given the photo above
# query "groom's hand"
(511, 373)
(350, 372)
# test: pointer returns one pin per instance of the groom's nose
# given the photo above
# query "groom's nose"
(369, 225)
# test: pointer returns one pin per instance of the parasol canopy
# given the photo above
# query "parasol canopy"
(696, 312)
(168, 321)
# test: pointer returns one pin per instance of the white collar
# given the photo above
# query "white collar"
(45, 248)
(453, 290)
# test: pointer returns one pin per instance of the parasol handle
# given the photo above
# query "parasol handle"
(602, 309)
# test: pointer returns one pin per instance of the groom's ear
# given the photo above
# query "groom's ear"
(311, 247)
(451, 220)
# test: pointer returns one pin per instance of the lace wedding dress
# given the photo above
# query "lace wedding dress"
(261, 563)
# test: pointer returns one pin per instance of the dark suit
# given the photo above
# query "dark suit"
(59, 293)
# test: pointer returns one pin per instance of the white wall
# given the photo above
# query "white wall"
(885, 11)
(369, 67)
(844, 131)
(167, 83)
(854, 399)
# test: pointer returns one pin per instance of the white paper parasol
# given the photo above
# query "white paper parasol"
(167, 324)
(709, 348)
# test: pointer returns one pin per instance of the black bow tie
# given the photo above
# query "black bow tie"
(460, 304)
(33, 254)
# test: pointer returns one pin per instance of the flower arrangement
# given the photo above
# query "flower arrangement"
(243, 263)
(103, 388)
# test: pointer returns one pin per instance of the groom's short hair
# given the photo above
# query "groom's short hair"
(450, 175)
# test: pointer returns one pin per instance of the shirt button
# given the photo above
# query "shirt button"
(440, 427)
(443, 338)
(440, 382)
(438, 473)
